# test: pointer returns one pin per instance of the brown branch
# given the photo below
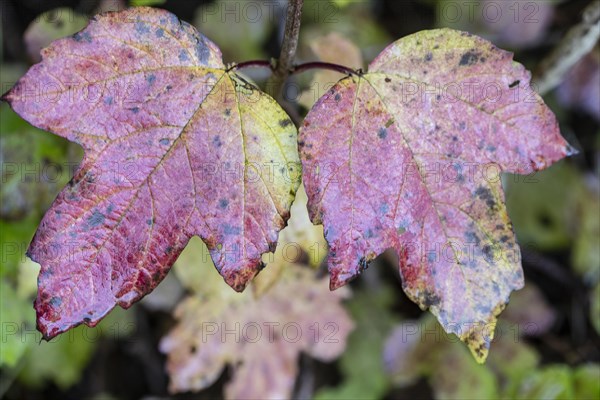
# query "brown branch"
(288, 48)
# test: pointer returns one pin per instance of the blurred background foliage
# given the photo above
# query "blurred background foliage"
(547, 340)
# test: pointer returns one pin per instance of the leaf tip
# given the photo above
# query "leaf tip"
(7, 97)
(47, 333)
(239, 280)
(478, 341)
(570, 150)
(338, 280)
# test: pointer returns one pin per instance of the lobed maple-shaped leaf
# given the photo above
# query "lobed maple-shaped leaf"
(261, 338)
(408, 156)
(175, 145)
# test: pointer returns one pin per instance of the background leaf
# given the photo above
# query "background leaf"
(260, 338)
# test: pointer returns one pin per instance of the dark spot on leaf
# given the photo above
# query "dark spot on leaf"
(141, 28)
(337, 97)
(387, 80)
(389, 122)
(223, 203)
(285, 122)
(382, 134)
(156, 276)
(231, 230)
(169, 249)
(384, 208)
(227, 112)
(108, 100)
(164, 141)
(183, 55)
(428, 57)
(430, 299)
(469, 58)
(515, 83)
(55, 301)
(472, 237)
(151, 78)
(97, 218)
(483, 309)
(488, 252)
(202, 50)
(82, 37)
(363, 263)
(217, 141)
(159, 33)
(486, 195)
(135, 110)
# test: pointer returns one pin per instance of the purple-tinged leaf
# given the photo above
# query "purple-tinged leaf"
(175, 146)
(408, 156)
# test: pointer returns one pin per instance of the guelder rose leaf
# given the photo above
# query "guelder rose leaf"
(175, 146)
(408, 156)
(260, 338)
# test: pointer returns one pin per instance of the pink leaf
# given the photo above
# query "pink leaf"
(408, 156)
(175, 146)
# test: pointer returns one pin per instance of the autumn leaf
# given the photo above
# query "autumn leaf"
(176, 145)
(408, 156)
(261, 338)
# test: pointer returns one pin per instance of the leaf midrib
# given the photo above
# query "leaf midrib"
(144, 182)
